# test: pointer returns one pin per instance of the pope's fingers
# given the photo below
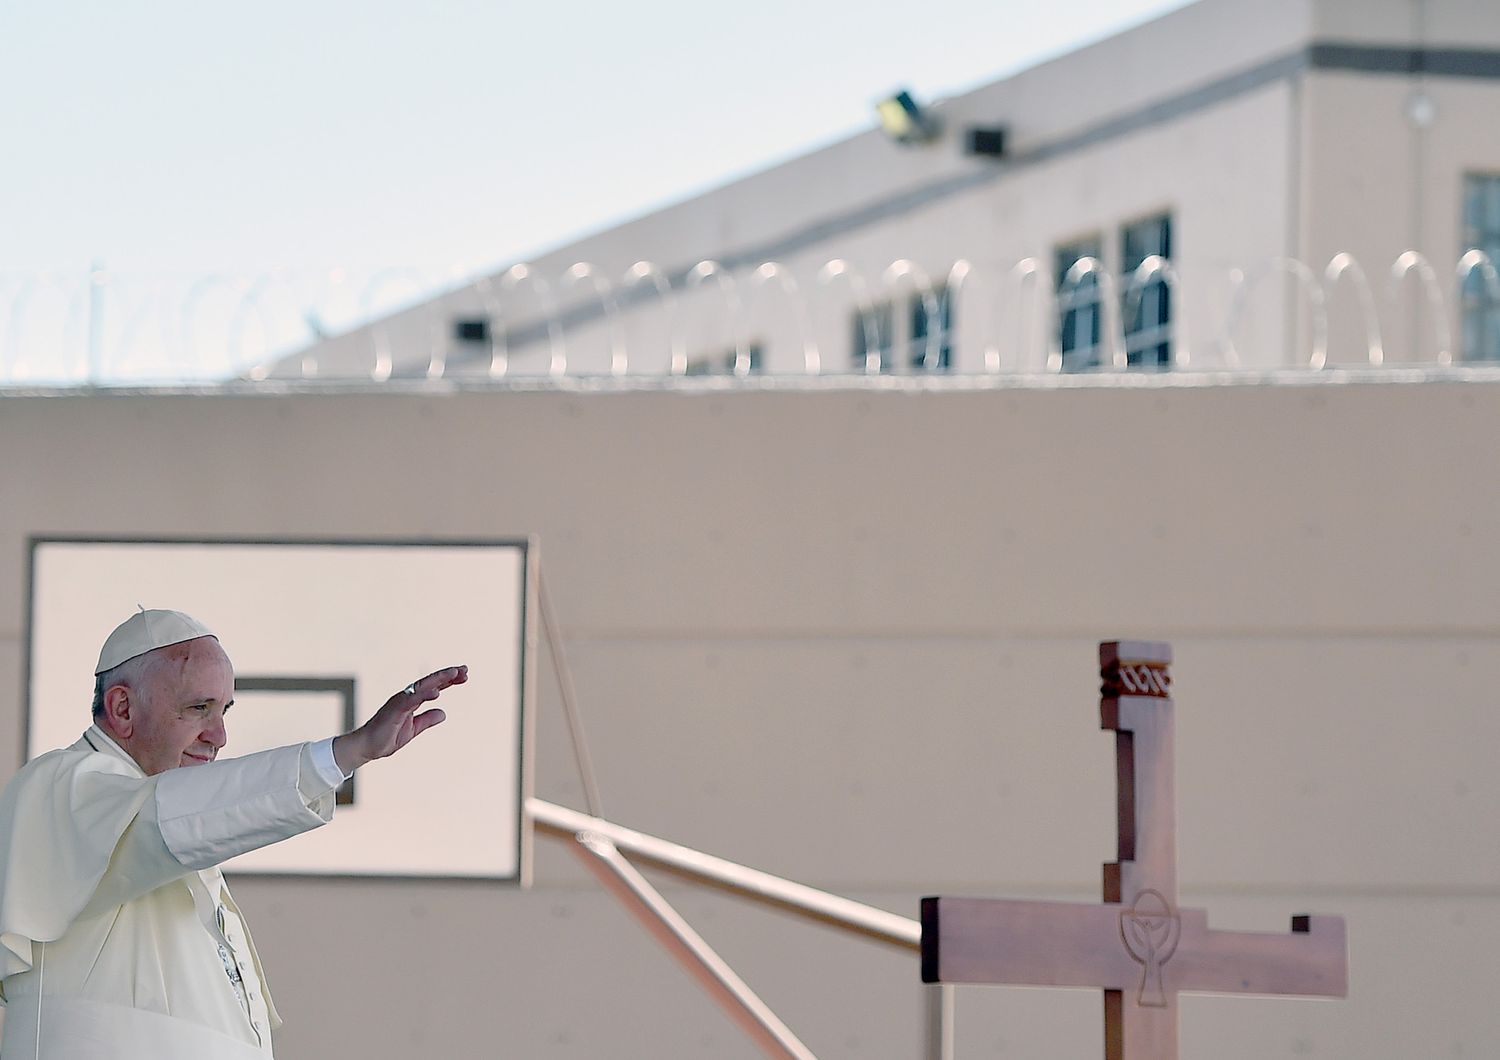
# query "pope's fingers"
(427, 719)
(439, 679)
(427, 688)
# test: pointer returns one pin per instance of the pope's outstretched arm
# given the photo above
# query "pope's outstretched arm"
(95, 834)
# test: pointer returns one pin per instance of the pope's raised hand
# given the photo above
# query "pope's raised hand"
(395, 724)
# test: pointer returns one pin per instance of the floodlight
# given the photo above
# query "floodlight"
(904, 121)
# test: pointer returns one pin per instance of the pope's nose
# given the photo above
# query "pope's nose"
(215, 734)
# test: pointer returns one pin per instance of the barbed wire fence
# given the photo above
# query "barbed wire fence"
(98, 328)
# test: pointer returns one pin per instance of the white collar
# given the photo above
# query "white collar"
(100, 740)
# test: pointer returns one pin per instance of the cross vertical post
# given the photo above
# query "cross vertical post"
(1136, 702)
(1138, 946)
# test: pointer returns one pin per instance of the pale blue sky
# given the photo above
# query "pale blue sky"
(186, 137)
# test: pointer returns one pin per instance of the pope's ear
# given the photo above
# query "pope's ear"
(118, 711)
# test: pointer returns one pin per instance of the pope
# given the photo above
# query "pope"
(118, 936)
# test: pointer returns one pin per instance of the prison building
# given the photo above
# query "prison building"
(1233, 184)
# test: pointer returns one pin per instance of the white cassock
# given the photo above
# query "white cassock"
(118, 937)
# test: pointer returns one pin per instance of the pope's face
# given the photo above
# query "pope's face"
(181, 720)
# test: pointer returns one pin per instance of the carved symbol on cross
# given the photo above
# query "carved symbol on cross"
(1144, 954)
(1150, 930)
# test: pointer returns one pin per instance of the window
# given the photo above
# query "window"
(471, 329)
(874, 332)
(1481, 307)
(873, 335)
(1078, 307)
(723, 363)
(929, 338)
(1146, 311)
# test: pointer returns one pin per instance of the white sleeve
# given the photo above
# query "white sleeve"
(324, 765)
(211, 813)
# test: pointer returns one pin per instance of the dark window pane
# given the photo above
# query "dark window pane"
(872, 333)
(1481, 306)
(1146, 310)
(934, 351)
(1079, 308)
(472, 329)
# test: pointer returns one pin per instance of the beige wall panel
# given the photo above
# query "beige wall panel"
(1239, 509)
(1339, 763)
(912, 761)
(848, 635)
(996, 775)
(561, 973)
(836, 512)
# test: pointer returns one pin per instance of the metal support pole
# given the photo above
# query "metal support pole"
(569, 698)
(938, 1022)
(843, 913)
(697, 958)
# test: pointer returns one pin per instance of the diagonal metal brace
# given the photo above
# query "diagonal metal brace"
(687, 947)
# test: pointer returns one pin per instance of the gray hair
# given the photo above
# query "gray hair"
(135, 674)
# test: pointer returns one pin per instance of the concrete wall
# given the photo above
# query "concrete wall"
(848, 636)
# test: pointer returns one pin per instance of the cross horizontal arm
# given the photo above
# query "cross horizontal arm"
(1311, 961)
(984, 940)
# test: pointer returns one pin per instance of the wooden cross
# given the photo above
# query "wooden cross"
(1139, 947)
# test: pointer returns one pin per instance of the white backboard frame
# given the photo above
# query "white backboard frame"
(378, 612)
